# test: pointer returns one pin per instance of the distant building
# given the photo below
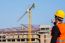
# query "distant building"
(44, 33)
(40, 34)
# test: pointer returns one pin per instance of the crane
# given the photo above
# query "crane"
(29, 11)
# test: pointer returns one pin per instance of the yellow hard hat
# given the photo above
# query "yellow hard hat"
(60, 13)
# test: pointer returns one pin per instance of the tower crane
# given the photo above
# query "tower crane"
(29, 11)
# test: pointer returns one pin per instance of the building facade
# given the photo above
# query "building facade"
(40, 34)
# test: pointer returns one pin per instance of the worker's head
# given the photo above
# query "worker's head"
(59, 15)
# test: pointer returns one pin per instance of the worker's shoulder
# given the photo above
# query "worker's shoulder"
(61, 23)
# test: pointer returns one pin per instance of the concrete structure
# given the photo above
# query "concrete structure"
(40, 34)
(44, 33)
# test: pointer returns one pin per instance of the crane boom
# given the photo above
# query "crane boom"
(22, 16)
(33, 6)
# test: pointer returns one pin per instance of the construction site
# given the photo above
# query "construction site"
(32, 21)
(39, 34)
(26, 33)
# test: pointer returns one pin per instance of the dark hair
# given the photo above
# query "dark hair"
(59, 18)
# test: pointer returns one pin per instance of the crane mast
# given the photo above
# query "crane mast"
(29, 27)
(30, 23)
(29, 11)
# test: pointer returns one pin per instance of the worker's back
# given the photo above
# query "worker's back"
(61, 27)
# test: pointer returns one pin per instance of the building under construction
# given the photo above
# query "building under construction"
(40, 34)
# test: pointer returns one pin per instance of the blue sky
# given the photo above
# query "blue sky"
(11, 10)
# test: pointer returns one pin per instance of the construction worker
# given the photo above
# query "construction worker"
(58, 30)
